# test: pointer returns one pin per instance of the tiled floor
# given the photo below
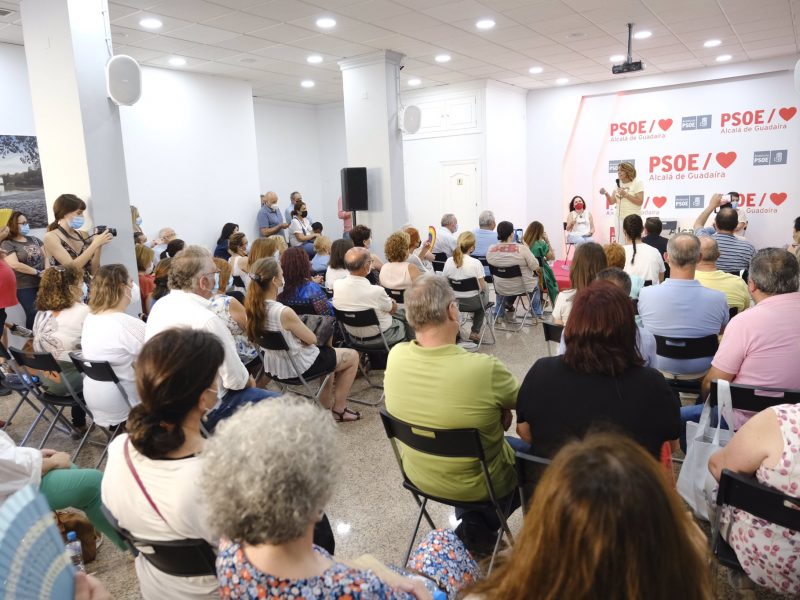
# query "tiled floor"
(370, 511)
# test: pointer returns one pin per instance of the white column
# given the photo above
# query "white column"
(370, 85)
(67, 45)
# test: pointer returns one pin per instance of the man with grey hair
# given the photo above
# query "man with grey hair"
(681, 307)
(355, 292)
(445, 236)
(269, 218)
(707, 273)
(760, 346)
(432, 382)
(192, 279)
(484, 236)
(165, 236)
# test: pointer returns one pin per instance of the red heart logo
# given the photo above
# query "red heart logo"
(665, 124)
(659, 201)
(778, 199)
(787, 113)
(726, 159)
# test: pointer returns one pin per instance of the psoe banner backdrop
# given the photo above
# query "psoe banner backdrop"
(689, 142)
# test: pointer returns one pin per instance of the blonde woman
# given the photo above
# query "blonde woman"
(629, 194)
(462, 266)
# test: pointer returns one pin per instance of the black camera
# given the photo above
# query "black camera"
(103, 228)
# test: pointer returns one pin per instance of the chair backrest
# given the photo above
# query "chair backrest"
(686, 348)
(305, 308)
(273, 340)
(440, 257)
(40, 361)
(761, 501)
(470, 284)
(732, 312)
(552, 332)
(450, 443)
(648, 283)
(506, 272)
(745, 397)
(357, 318)
(396, 295)
(565, 225)
(485, 263)
(98, 370)
(180, 558)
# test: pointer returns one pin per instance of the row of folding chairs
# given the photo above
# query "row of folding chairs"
(50, 408)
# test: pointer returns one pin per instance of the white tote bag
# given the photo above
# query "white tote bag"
(696, 485)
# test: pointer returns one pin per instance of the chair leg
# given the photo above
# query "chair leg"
(416, 529)
(52, 426)
(83, 441)
(105, 449)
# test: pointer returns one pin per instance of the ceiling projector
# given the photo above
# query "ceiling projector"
(628, 66)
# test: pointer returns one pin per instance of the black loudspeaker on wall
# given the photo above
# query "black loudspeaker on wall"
(354, 189)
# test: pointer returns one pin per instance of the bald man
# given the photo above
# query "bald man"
(270, 220)
(707, 273)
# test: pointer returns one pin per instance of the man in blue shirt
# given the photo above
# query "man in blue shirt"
(681, 307)
(269, 219)
(485, 235)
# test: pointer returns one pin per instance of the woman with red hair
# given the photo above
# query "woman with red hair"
(299, 287)
(600, 383)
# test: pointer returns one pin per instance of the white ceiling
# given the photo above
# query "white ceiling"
(267, 41)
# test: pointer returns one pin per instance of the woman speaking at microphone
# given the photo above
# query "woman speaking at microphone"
(629, 194)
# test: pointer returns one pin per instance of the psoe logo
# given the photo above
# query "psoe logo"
(690, 201)
(759, 119)
(763, 158)
(696, 122)
(613, 165)
(639, 130)
(691, 166)
(762, 202)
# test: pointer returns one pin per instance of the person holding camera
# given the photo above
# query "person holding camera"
(735, 253)
(66, 245)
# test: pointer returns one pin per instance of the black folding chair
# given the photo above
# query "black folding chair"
(44, 361)
(396, 295)
(14, 379)
(305, 308)
(274, 341)
(179, 558)
(512, 272)
(488, 278)
(529, 472)
(552, 333)
(648, 283)
(438, 261)
(747, 397)
(568, 246)
(761, 501)
(449, 443)
(100, 370)
(732, 312)
(685, 349)
(361, 318)
(471, 285)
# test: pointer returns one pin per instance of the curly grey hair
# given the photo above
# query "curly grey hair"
(269, 470)
(187, 267)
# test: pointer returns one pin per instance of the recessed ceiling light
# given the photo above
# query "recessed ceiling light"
(575, 35)
(442, 58)
(562, 80)
(247, 60)
(414, 81)
(326, 22)
(724, 58)
(485, 24)
(314, 59)
(177, 61)
(535, 70)
(642, 35)
(151, 23)
(711, 43)
(307, 83)
(617, 58)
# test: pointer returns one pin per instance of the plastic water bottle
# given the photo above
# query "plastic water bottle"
(74, 550)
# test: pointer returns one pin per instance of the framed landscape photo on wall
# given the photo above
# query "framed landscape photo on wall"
(21, 186)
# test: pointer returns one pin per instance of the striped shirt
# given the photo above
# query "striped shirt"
(735, 253)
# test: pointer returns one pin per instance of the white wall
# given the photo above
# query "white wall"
(332, 159)
(16, 109)
(552, 117)
(190, 153)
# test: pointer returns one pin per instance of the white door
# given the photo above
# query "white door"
(461, 192)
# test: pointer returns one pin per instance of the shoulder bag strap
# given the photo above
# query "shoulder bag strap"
(139, 481)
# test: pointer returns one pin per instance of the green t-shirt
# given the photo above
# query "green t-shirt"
(449, 388)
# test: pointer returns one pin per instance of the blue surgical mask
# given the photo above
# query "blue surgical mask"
(215, 289)
(77, 222)
(85, 291)
(138, 220)
(25, 229)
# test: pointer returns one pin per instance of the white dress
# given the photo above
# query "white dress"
(116, 338)
(174, 485)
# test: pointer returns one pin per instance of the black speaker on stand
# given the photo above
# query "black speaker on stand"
(354, 190)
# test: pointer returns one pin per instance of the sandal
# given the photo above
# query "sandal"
(339, 417)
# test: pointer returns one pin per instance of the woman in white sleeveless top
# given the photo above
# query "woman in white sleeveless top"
(265, 313)
(580, 226)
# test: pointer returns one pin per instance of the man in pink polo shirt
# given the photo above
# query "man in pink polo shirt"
(761, 346)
